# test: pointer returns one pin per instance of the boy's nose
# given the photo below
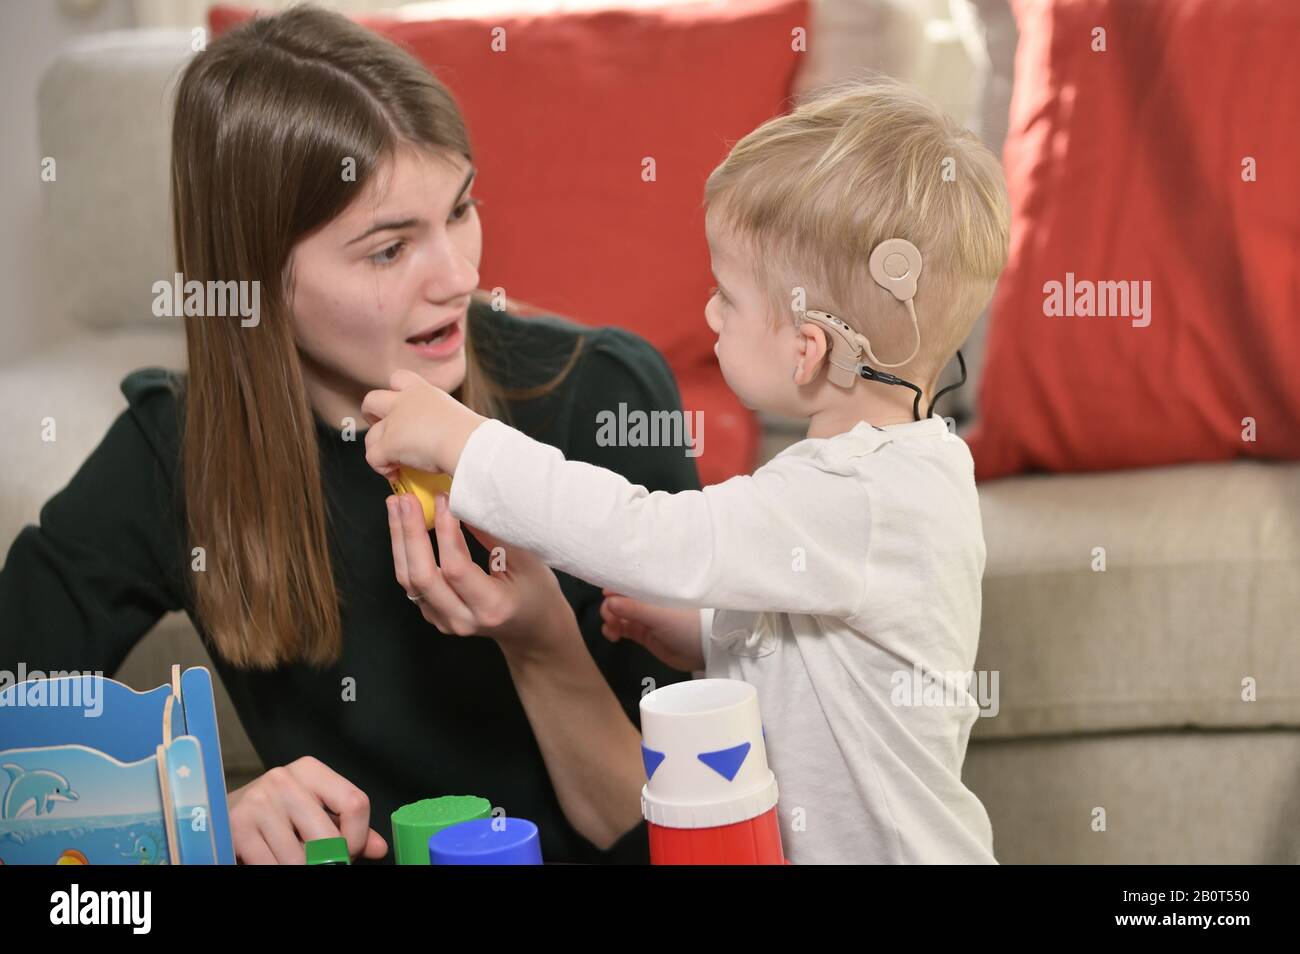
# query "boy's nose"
(710, 316)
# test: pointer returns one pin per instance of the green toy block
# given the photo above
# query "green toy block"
(416, 823)
(328, 851)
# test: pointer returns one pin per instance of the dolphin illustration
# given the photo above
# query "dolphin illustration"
(38, 789)
(145, 851)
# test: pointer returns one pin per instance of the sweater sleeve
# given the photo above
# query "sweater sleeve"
(791, 538)
(621, 367)
(81, 587)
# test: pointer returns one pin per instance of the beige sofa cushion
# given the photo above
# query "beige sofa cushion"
(1200, 591)
(104, 110)
(76, 384)
(1171, 798)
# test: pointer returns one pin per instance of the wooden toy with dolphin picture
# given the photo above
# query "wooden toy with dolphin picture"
(94, 772)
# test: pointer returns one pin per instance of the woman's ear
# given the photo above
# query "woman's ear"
(812, 351)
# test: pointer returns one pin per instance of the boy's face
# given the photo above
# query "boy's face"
(758, 357)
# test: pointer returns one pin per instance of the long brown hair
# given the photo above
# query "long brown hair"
(263, 122)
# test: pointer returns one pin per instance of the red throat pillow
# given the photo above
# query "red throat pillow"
(1150, 313)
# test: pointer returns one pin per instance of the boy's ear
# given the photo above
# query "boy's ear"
(813, 350)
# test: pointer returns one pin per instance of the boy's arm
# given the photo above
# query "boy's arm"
(791, 538)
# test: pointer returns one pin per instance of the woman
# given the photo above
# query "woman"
(324, 163)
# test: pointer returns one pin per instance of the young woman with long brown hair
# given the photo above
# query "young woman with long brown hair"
(327, 165)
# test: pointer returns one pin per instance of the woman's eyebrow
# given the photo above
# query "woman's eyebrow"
(465, 185)
(385, 226)
(407, 223)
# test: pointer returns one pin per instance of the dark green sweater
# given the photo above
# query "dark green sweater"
(433, 715)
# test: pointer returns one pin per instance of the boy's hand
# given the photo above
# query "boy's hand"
(417, 425)
(671, 635)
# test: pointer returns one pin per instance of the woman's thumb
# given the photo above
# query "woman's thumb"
(375, 847)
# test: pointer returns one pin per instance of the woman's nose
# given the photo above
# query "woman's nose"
(451, 274)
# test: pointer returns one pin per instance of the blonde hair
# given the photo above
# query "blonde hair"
(812, 192)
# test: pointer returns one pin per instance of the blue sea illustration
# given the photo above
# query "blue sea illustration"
(74, 805)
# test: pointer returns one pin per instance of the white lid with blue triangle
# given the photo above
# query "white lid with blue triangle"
(705, 760)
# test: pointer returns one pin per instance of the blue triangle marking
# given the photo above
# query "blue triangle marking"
(651, 759)
(726, 762)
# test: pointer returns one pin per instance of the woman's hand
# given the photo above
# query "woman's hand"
(672, 635)
(519, 603)
(275, 814)
(416, 424)
(597, 774)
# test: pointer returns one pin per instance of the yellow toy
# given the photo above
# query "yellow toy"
(425, 486)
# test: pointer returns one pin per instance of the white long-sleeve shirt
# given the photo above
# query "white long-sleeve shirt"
(845, 574)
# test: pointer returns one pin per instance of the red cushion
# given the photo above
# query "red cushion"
(560, 124)
(1127, 165)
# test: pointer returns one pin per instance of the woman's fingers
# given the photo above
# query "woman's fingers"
(309, 821)
(251, 848)
(333, 791)
(399, 543)
(439, 602)
(456, 595)
(376, 847)
(274, 815)
(284, 846)
(460, 571)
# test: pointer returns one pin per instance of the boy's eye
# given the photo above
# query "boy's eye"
(388, 255)
(716, 292)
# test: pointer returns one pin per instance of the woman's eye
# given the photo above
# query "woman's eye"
(388, 255)
(462, 210)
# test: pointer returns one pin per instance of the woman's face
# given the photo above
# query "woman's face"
(386, 284)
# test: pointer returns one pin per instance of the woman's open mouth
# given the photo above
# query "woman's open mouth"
(442, 343)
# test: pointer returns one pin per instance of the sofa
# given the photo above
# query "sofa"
(1114, 737)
